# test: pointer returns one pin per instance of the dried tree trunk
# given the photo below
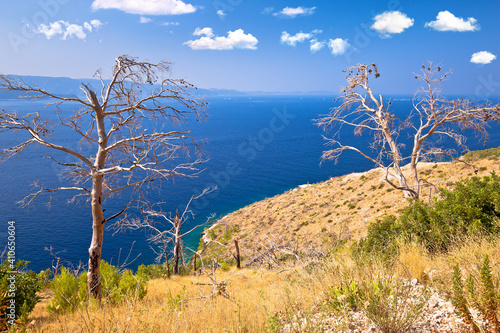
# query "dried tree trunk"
(98, 221)
(93, 278)
(238, 264)
(396, 158)
(177, 243)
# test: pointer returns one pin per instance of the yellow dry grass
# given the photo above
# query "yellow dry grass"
(180, 304)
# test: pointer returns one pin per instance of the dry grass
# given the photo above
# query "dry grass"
(175, 305)
(256, 296)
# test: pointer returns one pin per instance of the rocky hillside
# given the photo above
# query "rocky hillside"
(310, 218)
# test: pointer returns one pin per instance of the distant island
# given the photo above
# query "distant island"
(71, 87)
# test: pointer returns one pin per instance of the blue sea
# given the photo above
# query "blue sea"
(256, 146)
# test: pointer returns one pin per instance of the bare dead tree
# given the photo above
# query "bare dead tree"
(433, 116)
(123, 156)
(275, 249)
(172, 235)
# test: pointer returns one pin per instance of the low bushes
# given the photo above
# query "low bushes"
(70, 291)
(18, 289)
(472, 208)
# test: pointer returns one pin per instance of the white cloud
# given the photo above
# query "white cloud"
(203, 32)
(446, 21)
(74, 30)
(293, 12)
(482, 58)
(235, 40)
(267, 10)
(96, 24)
(145, 19)
(51, 30)
(393, 22)
(316, 45)
(338, 46)
(93, 24)
(170, 23)
(146, 7)
(300, 37)
(221, 13)
(67, 30)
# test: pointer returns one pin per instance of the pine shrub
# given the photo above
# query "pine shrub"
(484, 299)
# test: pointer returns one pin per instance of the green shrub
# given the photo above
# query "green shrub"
(110, 279)
(460, 302)
(471, 208)
(343, 297)
(490, 153)
(380, 240)
(175, 302)
(131, 286)
(224, 267)
(70, 292)
(25, 293)
(393, 305)
(153, 271)
(44, 278)
(484, 299)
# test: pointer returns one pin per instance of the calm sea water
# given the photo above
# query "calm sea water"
(258, 147)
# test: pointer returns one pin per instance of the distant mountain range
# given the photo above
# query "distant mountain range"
(64, 86)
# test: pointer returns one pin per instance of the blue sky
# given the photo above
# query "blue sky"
(259, 45)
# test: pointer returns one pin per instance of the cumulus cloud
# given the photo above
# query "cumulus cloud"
(68, 30)
(203, 32)
(482, 58)
(316, 45)
(145, 19)
(146, 7)
(170, 23)
(88, 26)
(234, 40)
(300, 37)
(338, 46)
(294, 12)
(446, 21)
(221, 13)
(391, 22)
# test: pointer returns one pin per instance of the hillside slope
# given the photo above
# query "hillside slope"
(310, 218)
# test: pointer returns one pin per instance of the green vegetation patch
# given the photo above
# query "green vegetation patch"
(472, 208)
(491, 154)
